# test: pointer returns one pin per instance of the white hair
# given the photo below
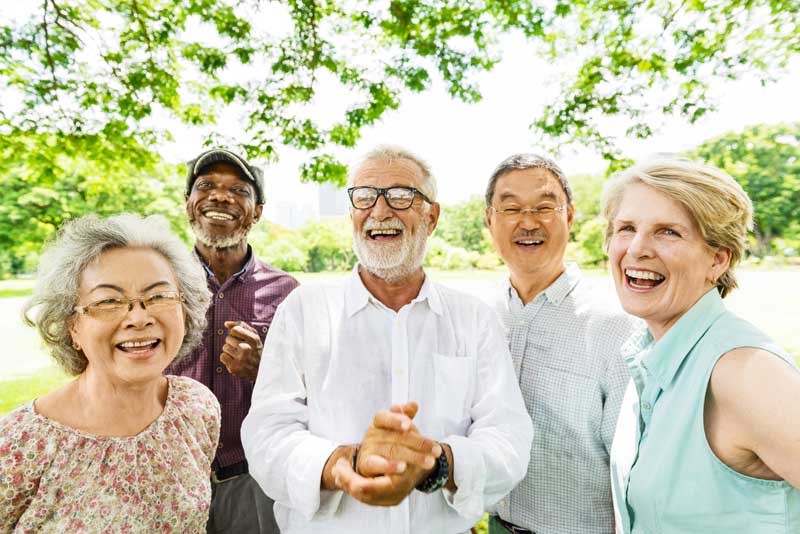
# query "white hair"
(389, 153)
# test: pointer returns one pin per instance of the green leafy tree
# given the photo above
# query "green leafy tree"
(329, 245)
(586, 190)
(49, 178)
(765, 160)
(78, 66)
(462, 225)
(590, 240)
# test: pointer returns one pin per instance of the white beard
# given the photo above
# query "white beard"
(392, 262)
(226, 241)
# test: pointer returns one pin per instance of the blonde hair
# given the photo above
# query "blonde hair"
(716, 202)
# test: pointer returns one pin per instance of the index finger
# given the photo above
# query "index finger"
(240, 329)
(392, 420)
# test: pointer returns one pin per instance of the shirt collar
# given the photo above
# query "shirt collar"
(357, 296)
(244, 273)
(555, 292)
(668, 353)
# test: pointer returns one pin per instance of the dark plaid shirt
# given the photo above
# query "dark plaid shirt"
(251, 295)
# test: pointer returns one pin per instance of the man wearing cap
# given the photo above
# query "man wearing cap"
(224, 199)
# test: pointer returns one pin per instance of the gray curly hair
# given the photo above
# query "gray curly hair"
(81, 241)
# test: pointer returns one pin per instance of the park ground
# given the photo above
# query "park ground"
(768, 298)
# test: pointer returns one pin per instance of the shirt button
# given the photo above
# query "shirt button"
(220, 332)
(221, 295)
(219, 370)
(646, 405)
(264, 329)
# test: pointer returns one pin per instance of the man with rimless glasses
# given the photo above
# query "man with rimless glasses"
(387, 403)
(565, 341)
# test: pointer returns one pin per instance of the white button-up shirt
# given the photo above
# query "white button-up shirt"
(334, 356)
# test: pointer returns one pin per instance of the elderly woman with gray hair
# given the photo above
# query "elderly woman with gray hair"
(121, 448)
(708, 437)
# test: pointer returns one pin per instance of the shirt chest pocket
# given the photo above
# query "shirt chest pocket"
(455, 389)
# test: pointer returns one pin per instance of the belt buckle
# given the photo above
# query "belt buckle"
(216, 480)
(514, 529)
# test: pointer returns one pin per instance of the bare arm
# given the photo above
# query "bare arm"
(752, 414)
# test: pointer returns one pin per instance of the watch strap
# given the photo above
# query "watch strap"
(438, 477)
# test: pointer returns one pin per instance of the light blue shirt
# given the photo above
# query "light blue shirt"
(566, 349)
(665, 477)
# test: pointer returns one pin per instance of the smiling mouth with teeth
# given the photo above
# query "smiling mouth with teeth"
(643, 279)
(138, 346)
(383, 233)
(218, 215)
(529, 242)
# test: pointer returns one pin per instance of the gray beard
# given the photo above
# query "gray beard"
(219, 242)
(393, 264)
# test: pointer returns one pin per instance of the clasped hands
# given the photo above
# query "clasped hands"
(393, 459)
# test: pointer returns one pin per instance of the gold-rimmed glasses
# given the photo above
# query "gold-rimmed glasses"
(542, 213)
(114, 308)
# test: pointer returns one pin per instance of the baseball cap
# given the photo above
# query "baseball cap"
(249, 172)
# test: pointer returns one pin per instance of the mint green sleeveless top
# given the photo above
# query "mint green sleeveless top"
(665, 478)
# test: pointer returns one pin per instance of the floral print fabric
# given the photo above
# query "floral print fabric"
(56, 479)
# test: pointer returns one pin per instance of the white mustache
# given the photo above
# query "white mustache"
(389, 224)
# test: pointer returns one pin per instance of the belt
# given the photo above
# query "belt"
(514, 529)
(229, 471)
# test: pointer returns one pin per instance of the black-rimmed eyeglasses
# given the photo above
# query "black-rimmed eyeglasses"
(398, 197)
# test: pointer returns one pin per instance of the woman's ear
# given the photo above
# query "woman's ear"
(720, 264)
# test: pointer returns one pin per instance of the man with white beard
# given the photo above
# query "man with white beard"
(224, 199)
(387, 403)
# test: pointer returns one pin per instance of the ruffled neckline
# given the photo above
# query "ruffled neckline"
(168, 407)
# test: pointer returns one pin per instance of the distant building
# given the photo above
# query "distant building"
(333, 201)
(294, 211)
(292, 215)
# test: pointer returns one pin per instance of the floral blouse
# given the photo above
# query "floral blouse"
(56, 479)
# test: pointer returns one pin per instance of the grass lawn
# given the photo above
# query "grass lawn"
(16, 288)
(19, 391)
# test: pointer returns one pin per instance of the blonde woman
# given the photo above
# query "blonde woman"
(708, 438)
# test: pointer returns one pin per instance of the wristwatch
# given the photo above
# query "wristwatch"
(438, 477)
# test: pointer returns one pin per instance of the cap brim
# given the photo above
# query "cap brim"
(222, 156)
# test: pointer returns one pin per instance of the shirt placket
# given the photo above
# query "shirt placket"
(400, 514)
(521, 323)
(648, 393)
(220, 383)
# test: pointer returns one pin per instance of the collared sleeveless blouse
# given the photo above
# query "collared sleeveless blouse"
(665, 477)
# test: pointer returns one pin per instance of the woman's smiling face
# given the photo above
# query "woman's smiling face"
(660, 261)
(136, 345)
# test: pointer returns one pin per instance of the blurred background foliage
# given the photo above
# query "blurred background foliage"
(48, 178)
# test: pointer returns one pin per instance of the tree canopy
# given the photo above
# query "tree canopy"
(49, 178)
(87, 67)
(765, 160)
